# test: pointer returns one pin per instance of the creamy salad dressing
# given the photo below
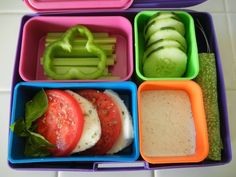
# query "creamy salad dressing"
(167, 123)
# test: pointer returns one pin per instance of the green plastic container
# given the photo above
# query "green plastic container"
(192, 69)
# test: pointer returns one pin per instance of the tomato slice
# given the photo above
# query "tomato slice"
(110, 119)
(62, 124)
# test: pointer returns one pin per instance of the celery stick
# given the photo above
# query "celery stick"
(82, 41)
(81, 51)
(58, 35)
(106, 75)
(111, 59)
(85, 69)
(81, 61)
(107, 47)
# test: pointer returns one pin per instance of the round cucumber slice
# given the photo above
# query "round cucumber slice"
(162, 23)
(161, 15)
(165, 62)
(166, 33)
(162, 43)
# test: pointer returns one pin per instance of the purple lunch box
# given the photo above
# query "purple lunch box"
(206, 20)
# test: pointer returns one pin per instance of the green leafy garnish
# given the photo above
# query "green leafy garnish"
(36, 145)
(35, 108)
(19, 128)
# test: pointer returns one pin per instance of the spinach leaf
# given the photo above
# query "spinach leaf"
(35, 108)
(19, 128)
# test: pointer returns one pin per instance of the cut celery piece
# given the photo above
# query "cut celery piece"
(81, 61)
(106, 75)
(107, 47)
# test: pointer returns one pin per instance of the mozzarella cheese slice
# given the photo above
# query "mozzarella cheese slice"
(92, 127)
(126, 135)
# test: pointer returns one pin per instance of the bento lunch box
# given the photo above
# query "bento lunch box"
(54, 14)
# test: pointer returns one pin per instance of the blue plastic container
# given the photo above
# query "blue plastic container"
(24, 92)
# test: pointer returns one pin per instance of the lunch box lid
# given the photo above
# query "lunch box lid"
(80, 5)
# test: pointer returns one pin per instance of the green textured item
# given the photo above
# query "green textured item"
(207, 79)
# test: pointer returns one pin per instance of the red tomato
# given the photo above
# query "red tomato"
(63, 122)
(110, 119)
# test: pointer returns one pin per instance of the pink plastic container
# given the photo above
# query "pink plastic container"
(36, 29)
(70, 5)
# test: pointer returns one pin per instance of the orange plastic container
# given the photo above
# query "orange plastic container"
(196, 100)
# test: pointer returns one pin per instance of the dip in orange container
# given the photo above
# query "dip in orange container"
(172, 123)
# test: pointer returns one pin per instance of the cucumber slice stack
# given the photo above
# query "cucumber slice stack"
(165, 46)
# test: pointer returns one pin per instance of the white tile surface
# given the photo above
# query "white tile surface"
(225, 23)
(210, 6)
(232, 27)
(13, 6)
(231, 97)
(9, 34)
(231, 6)
(107, 174)
(226, 171)
(224, 43)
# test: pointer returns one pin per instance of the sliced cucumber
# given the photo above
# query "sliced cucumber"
(165, 62)
(162, 23)
(166, 33)
(162, 15)
(162, 43)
